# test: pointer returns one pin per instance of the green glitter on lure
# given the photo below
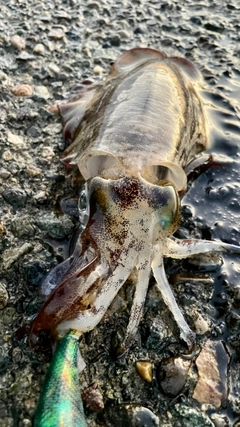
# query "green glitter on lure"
(60, 403)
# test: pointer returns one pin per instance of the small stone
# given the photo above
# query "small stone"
(25, 56)
(158, 333)
(131, 415)
(22, 227)
(4, 297)
(54, 67)
(93, 398)
(219, 420)
(172, 375)
(42, 92)
(18, 42)
(212, 384)
(48, 153)
(15, 196)
(15, 139)
(39, 49)
(26, 422)
(40, 195)
(115, 40)
(13, 254)
(8, 315)
(145, 370)
(191, 417)
(4, 173)
(124, 35)
(33, 170)
(98, 69)
(7, 155)
(2, 229)
(22, 90)
(53, 129)
(56, 227)
(35, 272)
(201, 326)
(56, 33)
(3, 76)
(34, 132)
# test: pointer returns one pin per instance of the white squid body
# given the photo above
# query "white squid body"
(131, 137)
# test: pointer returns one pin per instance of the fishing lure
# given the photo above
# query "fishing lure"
(60, 403)
(132, 137)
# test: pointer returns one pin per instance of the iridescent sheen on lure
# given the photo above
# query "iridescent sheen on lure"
(60, 403)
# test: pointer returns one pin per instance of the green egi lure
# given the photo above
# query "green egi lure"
(60, 403)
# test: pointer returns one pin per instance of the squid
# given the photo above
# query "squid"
(131, 137)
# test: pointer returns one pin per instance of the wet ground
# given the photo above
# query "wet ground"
(60, 43)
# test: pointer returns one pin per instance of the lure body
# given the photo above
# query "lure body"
(131, 137)
(60, 403)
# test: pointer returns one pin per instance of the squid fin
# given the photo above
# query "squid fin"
(187, 67)
(73, 112)
(133, 58)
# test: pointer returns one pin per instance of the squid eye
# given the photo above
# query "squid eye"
(169, 213)
(83, 206)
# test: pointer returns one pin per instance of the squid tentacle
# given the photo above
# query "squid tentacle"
(162, 283)
(144, 271)
(177, 248)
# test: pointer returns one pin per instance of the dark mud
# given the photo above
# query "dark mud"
(61, 43)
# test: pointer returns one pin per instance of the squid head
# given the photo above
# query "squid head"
(128, 222)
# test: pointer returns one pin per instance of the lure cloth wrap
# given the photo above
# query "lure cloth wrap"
(60, 403)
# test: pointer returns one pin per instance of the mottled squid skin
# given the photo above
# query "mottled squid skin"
(60, 403)
(131, 137)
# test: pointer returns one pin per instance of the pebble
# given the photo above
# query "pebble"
(35, 272)
(22, 90)
(115, 40)
(190, 417)
(7, 155)
(4, 173)
(34, 132)
(201, 325)
(172, 375)
(132, 415)
(14, 139)
(56, 33)
(93, 398)
(48, 153)
(41, 92)
(212, 365)
(15, 196)
(158, 331)
(25, 56)
(26, 422)
(13, 254)
(54, 67)
(145, 370)
(39, 49)
(98, 69)
(4, 297)
(56, 227)
(2, 229)
(18, 42)
(33, 170)
(124, 35)
(3, 76)
(22, 227)
(53, 129)
(40, 195)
